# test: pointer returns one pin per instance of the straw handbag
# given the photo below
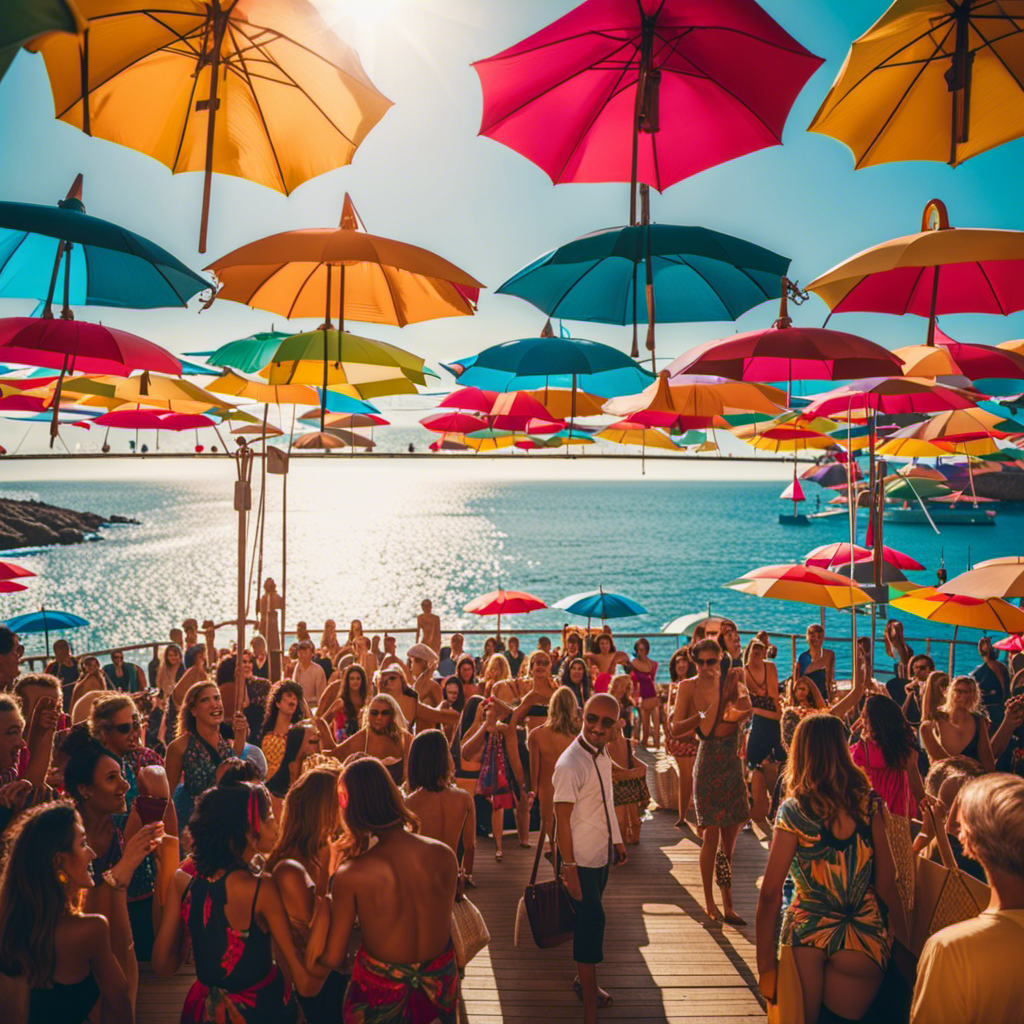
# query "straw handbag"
(469, 931)
(944, 894)
(897, 829)
(788, 1005)
(666, 784)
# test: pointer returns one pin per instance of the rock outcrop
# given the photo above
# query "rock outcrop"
(30, 524)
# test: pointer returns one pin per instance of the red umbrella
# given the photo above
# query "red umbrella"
(832, 556)
(10, 587)
(446, 444)
(571, 95)
(979, 361)
(453, 422)
(504, 602)
(10, 571)
(519, 405)
(789, 353)
(471, 399)
(891, 396)
(153, 419)
(76, 346)
(1014, 642)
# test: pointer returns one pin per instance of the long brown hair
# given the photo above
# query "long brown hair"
(187, 717)
(310, 817)
(32, 899)
(372, 804)
(820, 773)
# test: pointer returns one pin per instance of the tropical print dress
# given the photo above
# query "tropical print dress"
(834, 904)
(237, 981)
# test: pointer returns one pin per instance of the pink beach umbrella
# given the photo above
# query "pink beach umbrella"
(504, 602)
(833, 556)
(11, 571)
(153, 419)
(582, 97)
(1014, 643)
(469, 400)
(890, 396)
(453, 422)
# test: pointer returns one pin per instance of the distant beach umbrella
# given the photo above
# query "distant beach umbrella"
(600, 604)
(153, 419)
(11, 571)
(453, 421)
(11, 586)
(171, 394)
(54, 252)
(833, 556)
(633, 433)
(356, 420)
(990, 613)
(257, 89)
(504, 602)
(921, 62)
(469, 399)
(247, 355)
(318, 440)
(801, 583)
(255, 389)
(889, 396)
(45, 621)
(351, 439)
(1006, 581)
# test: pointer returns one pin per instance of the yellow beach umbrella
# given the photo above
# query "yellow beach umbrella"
(255, 389)
(928, 361)
(803, 583)
(991, 613)
(628, 432)
(559, 402)
(1001, 580)
(1017, 345)
(258, 89)
(790, 444)
(152, 389)
(930, 80)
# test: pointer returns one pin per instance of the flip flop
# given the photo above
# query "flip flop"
(603, 1000)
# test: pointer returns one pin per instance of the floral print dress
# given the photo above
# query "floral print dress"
(237, 981)
(834, 904)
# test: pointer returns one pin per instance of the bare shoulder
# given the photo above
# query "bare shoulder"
(92, 929)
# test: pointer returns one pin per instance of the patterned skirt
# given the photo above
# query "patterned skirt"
(719, 792)
(631, 791)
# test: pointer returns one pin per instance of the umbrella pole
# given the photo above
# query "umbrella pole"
(645, 215)
(243, 503)
(935, 298)
(572, 415)
(83, 66)
(211, 105)
(326, 328)
(952, 652)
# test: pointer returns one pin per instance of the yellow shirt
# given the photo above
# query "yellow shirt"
(970, 973)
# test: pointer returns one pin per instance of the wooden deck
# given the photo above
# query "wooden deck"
(662, 963)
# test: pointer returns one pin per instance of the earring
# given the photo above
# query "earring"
(61, 876)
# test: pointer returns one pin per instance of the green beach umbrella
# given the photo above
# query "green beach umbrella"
(247, 355)
(25, 20)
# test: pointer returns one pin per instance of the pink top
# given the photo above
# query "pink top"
(891, 784)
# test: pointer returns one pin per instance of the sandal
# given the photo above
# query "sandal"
(604, 1000)
(498, 855)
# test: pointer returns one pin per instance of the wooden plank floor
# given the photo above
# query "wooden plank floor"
(662, 963)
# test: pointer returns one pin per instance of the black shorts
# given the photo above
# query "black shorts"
(588, 928)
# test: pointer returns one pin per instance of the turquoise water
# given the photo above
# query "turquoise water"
(371, 538)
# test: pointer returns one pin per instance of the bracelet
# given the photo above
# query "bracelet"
(568, 863)
(108, 877)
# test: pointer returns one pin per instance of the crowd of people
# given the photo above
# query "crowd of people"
(301, 822)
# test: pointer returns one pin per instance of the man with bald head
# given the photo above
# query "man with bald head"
(588, 837)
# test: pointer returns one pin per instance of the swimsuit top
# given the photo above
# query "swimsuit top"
(763, 701)
(971, 750)
(645, 682)
(69, 1004)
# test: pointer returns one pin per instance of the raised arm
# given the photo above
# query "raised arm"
(845, 705)
(40, 741)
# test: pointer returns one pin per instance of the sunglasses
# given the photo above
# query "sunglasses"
(707, 661)
(124, 728)
(606, 723)
(384, 713)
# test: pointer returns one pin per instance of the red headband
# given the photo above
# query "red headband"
(254, 811)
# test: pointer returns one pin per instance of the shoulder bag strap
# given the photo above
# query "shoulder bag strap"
(942, 844)
(604, 806)
(540, 850)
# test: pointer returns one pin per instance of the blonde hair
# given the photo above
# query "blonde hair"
(992, 821)
(620, 686)
(975, 705)
(398, 720)
(496, 670)
(932, 697)
(563, 712)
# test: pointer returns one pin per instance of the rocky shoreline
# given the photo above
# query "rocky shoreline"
(31, 524)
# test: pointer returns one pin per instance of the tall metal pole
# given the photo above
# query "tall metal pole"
(243, 504)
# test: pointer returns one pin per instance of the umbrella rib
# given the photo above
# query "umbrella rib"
(391, 294)
(991, 288)
(990, 44)
(298, 291)
(259, 110)
(744, 272)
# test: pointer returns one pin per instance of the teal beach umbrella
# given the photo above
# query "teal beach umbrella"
(247, 355)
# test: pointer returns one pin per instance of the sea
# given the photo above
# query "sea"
(371, 538)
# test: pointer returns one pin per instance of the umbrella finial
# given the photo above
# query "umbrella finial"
(547, 331)
(935, 217)
(350, 219)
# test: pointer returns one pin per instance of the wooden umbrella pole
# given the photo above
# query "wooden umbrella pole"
(210, 105)
(645, 195)
(83, 64)
(243, 503)
(931, 313)
(646, 43)
(326, 328)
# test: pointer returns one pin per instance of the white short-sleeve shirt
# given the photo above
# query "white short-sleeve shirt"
(576, 782)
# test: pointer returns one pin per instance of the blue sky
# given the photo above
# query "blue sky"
(424, 176)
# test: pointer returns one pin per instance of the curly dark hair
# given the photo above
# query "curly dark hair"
(220, 825)
(83, 752)
(890, 730)
(274, 700)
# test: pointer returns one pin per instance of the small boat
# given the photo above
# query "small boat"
(794, 493)
(946, 516)
(828, 513)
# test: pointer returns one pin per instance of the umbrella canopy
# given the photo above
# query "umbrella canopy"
(153, 419)
(801, 583)
(351, 439)
(171, 394)
(696, 274)
(247, 355)
(25, 20)
(560, 402)
(1006, 580)
(902, 489)
(571, 96)
(891, 396)
(892, 98)
(1010, 643)
(980, 361)
(519, 404)
(1000, 560)
(254, 389)
(345, 272)
(10, 571)
(560, 362)
(44, 621)
(362, 367)
(11, 587)
(258, 430)
(992, 613)
(318, 439)
(789, 353)
(939, 270)
(504, 602)
(347, 420)
(631, 432)
(469, 399)
(833, 474)
(105, 264)
(276, 97)
(831, 556)
(453, 421)
(600, 604)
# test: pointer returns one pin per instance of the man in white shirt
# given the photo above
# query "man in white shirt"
(589, 840)
(309, 675)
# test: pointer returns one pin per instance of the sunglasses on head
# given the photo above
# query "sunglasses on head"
(606, 723)
(384, 712)
(707, 661)
(124, 728)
